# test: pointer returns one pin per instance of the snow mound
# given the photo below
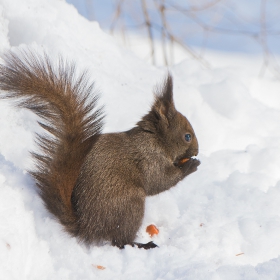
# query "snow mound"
(223, 222)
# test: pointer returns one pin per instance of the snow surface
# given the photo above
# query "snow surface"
(223, 222)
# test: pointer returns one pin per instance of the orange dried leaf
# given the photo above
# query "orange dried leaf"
(239, 254)
(99, 267)
(183, 160)
(152, 230)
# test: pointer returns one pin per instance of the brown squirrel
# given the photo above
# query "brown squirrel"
(95, 184)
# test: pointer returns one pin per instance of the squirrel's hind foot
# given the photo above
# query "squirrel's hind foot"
(146, 246)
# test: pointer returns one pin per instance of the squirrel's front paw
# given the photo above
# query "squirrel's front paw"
(190, 166)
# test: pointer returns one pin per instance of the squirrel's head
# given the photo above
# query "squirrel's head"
(173, 131)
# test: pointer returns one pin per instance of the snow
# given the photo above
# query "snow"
(222, 222)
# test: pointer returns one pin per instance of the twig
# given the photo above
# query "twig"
(116, 15)
(161, 8)
(263, 38)
(89, 7)
(184, 46)
(201, 8)
(149, 27)
(239, 254)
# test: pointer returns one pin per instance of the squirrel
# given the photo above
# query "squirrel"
(95, 184)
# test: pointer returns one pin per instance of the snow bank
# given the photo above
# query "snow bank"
(222, 222)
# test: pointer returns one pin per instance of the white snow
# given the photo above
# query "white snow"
(223, 222)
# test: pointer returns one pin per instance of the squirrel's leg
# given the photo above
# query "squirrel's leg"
(128, 216)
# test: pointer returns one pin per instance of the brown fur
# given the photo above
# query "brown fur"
(95, 184)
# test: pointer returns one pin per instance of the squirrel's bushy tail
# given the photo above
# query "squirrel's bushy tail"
(68, 114)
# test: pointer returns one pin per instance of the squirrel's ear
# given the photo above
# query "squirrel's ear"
(164, 104)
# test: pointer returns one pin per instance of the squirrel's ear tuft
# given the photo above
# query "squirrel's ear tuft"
(164, 104)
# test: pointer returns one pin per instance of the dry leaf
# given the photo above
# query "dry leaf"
(99, 267)
(152, 230)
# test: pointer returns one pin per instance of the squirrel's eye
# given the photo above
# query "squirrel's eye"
(188, 137)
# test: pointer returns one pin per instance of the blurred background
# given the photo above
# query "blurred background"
(163, 32)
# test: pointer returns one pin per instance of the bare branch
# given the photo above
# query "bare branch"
(189, 50)
(118, 12)
(201, 8)
(161, 8)
(90, 10)
(263, 38)
(149, 27)
(168, 37)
